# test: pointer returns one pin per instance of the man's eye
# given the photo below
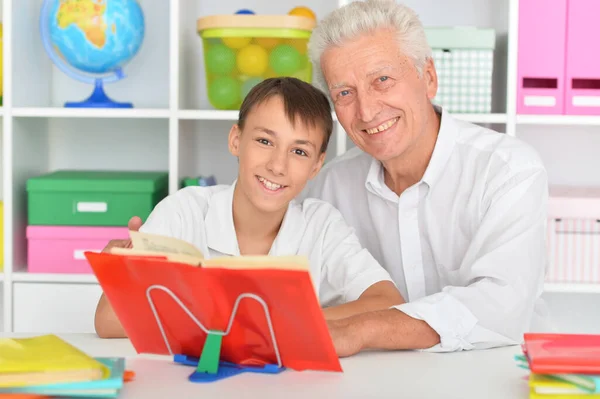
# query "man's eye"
(383, 78)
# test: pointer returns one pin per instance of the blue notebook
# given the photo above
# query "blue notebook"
(106, 388)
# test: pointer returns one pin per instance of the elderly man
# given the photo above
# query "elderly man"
(455, 212)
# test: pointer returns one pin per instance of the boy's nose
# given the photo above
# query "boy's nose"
(278, 163)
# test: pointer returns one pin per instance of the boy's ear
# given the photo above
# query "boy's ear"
(234, 140)
(318, 165)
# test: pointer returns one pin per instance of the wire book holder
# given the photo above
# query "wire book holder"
(209, 367)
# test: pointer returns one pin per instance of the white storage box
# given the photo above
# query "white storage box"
(574, 235)
(464, 60)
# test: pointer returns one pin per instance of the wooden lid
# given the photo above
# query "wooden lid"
(256, 21)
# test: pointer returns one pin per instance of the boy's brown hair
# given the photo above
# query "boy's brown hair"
(300, 100)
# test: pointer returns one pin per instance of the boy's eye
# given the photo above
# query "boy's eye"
(263, 141)
(300, 152)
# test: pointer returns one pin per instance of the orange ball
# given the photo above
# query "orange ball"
(302, 11)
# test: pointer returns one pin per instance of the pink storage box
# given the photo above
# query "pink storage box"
(59, 249)
(574, 235)
(541, 56)
(583, 58)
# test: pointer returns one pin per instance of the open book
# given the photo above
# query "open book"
(176, 250)
(168, 297)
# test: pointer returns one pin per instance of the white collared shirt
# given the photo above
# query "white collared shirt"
(466, 244)
(341, 269)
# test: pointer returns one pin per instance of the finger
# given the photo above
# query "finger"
(134, 223)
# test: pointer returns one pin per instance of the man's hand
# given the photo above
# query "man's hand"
(345, 340)
(134, 224)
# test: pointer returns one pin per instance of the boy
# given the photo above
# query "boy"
(280, 140)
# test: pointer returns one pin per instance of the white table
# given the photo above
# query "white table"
(486, 374)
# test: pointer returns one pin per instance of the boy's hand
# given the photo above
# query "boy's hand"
(134, 224)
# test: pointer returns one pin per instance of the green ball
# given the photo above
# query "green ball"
(249, 84)
(224, 92)
(220, 59)
(285, 60)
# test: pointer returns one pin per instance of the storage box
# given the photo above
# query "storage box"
(242, 50)
(541, 56)
(60, 249)
(574, 235)
(583, 59)
(464, 59)
(93, 198)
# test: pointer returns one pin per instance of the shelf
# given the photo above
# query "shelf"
(482, 118)
(1, 276)
(208, 115)
(147, 113)
(54, 278)
(217, 115)
(213, 115)
(572, 287)
(580, 120)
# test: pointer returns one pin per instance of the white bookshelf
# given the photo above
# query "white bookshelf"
(173, 127)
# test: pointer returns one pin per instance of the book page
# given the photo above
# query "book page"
(179, 258)
(163, 245)
(259, 262)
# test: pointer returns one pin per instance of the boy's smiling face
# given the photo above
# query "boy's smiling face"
(276, 157)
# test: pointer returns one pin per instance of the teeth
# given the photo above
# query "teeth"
(269, 184)
(382, 127)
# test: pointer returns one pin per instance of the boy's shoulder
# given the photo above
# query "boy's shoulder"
(319, 212)
(193, 197)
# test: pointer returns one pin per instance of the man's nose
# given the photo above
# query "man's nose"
(368, 107)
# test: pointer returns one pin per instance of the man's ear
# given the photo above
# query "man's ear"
(431, 79)
(234, 140)
(318, 165)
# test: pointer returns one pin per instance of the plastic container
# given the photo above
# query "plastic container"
(93, 198)
(60, 249)
(464, 60)
(242, 50)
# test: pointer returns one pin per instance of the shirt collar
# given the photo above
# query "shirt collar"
(444, 146)
(220, 230)
(441, 153)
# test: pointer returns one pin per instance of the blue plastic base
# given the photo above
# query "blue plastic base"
(98, 99)
(225, 370)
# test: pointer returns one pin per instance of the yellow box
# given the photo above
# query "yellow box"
(242, 50)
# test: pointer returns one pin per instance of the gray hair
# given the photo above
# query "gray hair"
(360, 17)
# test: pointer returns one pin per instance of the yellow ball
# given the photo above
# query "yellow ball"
(236, 42)
(267, 42)
(252, 60)
(302, 11)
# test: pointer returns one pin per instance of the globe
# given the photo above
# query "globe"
(91, 41)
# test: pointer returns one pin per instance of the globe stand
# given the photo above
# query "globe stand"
(98, 99)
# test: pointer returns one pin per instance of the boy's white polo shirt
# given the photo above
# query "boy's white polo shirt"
(341, 269)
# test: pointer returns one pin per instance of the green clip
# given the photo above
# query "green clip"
(211, 353)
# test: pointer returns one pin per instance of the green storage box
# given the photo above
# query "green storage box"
(93, 198)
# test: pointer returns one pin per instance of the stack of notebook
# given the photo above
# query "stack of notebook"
(47, 365)
(562, 366)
